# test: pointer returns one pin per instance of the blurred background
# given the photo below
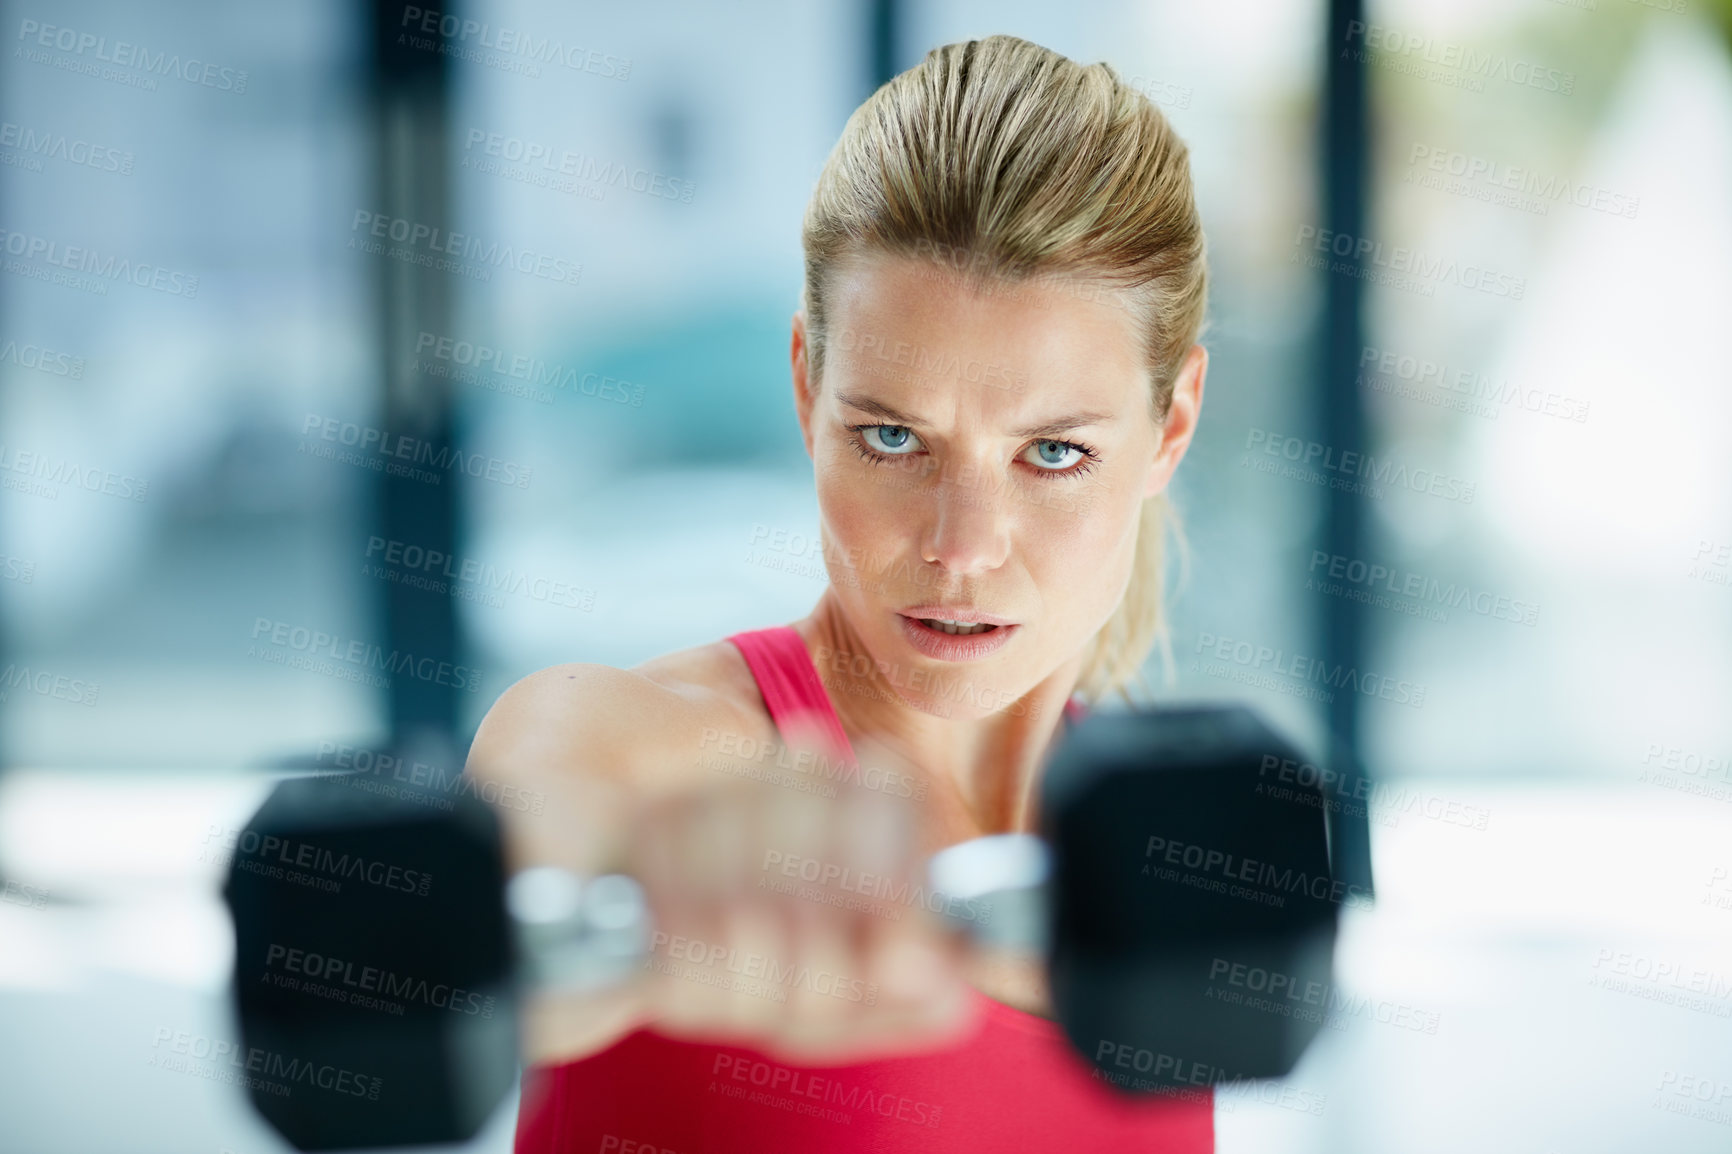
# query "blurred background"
(256, 257)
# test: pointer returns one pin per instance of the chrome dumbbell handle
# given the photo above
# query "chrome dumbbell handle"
(582, 934)
(577, 934)
(995, 890)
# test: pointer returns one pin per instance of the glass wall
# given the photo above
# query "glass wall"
(194, 420)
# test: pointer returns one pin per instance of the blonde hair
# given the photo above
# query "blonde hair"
(1008, 163)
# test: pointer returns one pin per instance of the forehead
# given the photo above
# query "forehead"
(1050, 331)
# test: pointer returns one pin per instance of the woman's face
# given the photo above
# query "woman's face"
(981, 454)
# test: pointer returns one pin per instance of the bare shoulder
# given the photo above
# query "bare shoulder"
(715, 675)
(648, 723)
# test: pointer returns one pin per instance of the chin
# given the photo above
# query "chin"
(958, 693)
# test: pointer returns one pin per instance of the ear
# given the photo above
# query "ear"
(1181, 421)
(803, 397)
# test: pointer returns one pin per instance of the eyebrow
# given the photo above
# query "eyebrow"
(1052, 428)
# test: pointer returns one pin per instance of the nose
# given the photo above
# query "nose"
(969, 529)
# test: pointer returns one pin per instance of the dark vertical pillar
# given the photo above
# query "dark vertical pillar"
(410, 96)
(883, 41)
(1344, 171)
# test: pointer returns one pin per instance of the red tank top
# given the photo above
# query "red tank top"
(1013, 1084)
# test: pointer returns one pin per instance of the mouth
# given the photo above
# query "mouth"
(954, 628)
(956, 620)
(953, 633)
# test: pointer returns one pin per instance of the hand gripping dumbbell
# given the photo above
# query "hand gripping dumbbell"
(381, 950)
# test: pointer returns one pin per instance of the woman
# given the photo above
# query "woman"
(996, 373)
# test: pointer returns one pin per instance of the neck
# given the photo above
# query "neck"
(986, 763)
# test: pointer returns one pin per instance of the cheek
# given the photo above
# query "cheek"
(849, 502)
(1082, 556)
(855, 492)
(865, 516)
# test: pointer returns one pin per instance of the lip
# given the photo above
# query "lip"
(948, 647)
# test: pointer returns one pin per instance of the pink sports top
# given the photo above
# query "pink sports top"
(1013, 1084)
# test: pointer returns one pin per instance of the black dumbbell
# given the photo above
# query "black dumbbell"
(380, 948)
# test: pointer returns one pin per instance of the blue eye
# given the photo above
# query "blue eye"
(891, 438)
(1057, 459)
(1053, 453)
